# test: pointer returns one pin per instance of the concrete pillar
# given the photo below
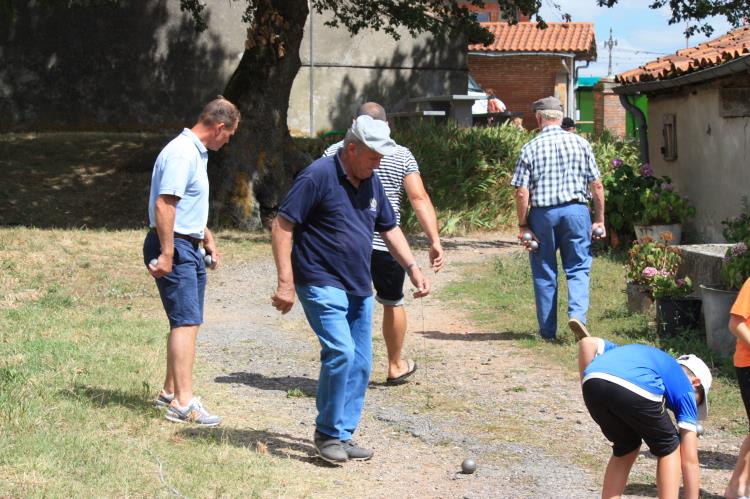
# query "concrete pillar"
(608, 112)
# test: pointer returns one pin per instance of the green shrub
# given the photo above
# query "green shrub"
(467, 172)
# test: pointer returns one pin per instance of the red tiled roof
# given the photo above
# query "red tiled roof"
(527, 37)
(716, 52)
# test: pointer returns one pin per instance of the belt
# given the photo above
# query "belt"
(192, 239)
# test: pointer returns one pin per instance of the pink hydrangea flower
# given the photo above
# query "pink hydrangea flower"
(646, 170)
(649, 272)
(616, 163)
(739, 249)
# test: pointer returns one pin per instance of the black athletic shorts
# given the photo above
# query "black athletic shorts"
(743, 379)
(626, 418)
(388, 278)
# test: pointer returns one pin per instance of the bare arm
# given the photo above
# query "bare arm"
(400, 250)
(281, 242)
(597, 191)
(164, 215)
(739, 328)
(427, 217)
(209, 244)
(691, 473)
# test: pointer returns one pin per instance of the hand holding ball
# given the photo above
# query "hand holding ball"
(598, 232)
(207, 257)
(526, 237)
(533, 245)
(153, 262)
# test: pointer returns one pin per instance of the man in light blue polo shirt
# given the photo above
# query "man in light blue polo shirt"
(322, 244)
(178, 214)
(627, 390)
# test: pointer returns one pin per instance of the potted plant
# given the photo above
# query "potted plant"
(623, 185)
(718, 298)
(676, 309)
(664, 210)
(647, 253)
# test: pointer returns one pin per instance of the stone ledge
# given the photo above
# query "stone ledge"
(702, 262)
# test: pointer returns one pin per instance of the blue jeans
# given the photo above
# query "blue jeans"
(343, 323)
(565, 227)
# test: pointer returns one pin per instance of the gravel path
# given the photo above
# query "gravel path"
(476, 394)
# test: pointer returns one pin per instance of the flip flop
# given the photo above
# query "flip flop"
(411, 366)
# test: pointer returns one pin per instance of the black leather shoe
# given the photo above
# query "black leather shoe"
(355, 452)
(330, 449)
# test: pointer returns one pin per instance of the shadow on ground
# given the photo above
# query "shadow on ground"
(283, 384)
(649, 490)
(469, 336)
(262, 441)
(717, 460)
(105, 397)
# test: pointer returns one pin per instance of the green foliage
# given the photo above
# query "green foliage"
(738, 229)
(636, 197)
(666, 285)
(610, 150)
(467, 172)
(663, 206)
(648, 254)
(736, 266)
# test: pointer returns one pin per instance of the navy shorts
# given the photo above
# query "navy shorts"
(183, 289)
(626, 418)
(388, 278)
(743, 380)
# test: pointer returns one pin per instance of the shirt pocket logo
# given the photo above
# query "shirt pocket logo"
(373, 205)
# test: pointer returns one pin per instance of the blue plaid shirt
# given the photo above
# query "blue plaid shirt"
(556, 167)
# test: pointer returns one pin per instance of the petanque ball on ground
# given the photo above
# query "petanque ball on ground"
(153, 262)
(469, 466)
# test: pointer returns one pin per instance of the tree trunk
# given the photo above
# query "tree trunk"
(251, 174)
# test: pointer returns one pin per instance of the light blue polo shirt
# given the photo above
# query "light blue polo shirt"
(181, 170)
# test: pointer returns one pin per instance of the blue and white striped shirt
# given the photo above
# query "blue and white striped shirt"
(393, 169)
(556, 167)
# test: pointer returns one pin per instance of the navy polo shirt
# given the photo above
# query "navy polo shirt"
(334, 225)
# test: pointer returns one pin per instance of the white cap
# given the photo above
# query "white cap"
(374, 134)
(703, 373)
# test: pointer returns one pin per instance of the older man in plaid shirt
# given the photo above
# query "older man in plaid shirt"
(555, 177)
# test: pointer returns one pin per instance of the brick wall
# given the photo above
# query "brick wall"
(517, 80)
(608, 112)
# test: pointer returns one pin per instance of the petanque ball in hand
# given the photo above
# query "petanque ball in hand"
(153, 262)
(469, 466)
(526, 237)
(598, 232)
(699, 430)
(209, 260)
(533, 245)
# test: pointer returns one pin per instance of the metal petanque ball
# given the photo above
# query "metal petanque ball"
(153, 262)
(598, 232)
(533, 245)
(469, 466)
(209, 260)
(526, 237)
(699, 430)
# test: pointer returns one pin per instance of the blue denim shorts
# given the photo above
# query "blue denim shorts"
(183, 289)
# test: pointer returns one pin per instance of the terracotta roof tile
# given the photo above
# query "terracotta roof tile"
(526, 37)
(715, 52)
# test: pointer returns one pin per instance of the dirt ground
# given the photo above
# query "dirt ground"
(477, 393)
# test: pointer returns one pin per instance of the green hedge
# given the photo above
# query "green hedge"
(467, 171)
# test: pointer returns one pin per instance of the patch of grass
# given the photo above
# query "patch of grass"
(81, 357)
(500, 296)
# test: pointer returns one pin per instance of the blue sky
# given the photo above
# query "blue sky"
(637, 29)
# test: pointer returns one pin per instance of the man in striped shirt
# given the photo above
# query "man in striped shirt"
(555, 176)
(398, 172)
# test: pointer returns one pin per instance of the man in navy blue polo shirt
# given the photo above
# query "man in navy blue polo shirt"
(322, 245)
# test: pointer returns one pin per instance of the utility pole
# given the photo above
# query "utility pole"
(610, 44)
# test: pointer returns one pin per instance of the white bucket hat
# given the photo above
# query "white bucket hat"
(374, 134)
(703, 373)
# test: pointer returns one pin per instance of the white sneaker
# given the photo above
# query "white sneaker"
(193, 413)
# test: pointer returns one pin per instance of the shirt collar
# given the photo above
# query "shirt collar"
(339, 167)
(189, 133)
(551, 128)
